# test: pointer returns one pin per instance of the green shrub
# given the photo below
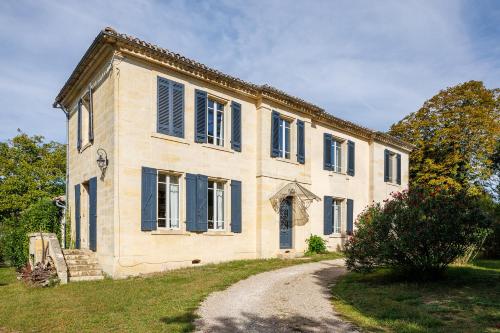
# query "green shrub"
(417, 232)
(315, 244)
(42, 216)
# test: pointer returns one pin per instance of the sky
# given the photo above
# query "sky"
(370, 62)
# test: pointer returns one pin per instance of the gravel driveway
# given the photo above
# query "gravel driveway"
(292, 299)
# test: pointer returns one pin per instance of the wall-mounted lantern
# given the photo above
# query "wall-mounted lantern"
(102, 161)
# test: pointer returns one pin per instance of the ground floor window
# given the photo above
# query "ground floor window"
(337, 215)
(168, 201)
(215, 205)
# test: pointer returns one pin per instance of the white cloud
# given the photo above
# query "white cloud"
(368, 62)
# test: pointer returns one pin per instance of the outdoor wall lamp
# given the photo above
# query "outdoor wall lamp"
(102, 161)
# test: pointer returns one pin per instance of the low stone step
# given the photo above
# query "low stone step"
(75, 268)
(76, 257)
(73, 262)
(86, 278)
(87, 272)
(76, 251)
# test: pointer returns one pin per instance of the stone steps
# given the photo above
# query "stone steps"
(82, 265)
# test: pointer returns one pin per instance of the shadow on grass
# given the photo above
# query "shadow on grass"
(291, 323)
(465, 299)
(184, 321)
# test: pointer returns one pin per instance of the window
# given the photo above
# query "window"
(337, 215)
(336, 155)
(168, 201)
(215, 123)
(85, 120)
(215, 205)
(392, 167)
(284, 138)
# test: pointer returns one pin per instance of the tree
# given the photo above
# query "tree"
(455, 133)
(30, 169)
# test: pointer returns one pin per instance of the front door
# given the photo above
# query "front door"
(286, 223)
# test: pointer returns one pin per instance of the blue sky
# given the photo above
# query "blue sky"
(371, 62)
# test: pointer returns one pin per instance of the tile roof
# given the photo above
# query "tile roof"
(109, 35)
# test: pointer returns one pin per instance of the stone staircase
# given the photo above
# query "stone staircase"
(82, 265)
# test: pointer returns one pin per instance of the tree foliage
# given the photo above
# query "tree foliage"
(456, 134)
(418, 232)
(30, 169)
(32, 172)
(41, 216)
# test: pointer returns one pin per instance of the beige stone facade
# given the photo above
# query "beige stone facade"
(123, 74)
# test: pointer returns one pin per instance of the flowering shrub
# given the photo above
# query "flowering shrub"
(420, 231)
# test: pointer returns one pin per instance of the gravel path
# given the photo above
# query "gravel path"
(292, 299)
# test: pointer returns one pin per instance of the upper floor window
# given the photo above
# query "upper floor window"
(284, 138)
(392, 167)
(335, 151)
(168, 201)
(170, 105)
(85, 133)
(215, 123)
(215, 205)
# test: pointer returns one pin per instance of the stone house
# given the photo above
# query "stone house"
(196, 166)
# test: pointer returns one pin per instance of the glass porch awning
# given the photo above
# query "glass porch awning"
(302, 200)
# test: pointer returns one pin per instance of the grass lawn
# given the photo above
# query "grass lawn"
(467, 300)
(163, 302)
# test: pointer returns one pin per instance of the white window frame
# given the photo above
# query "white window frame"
(337, 218)
(337, 155)
(218, 224)
(168, 217)
(284, 125)
(217, 140)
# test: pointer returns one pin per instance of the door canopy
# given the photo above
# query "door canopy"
(302, 200)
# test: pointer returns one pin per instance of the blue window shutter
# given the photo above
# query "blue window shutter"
(79, 128)
(351, 156)
(301, 153)
(91, 117)
(200, 119)
(170, 107)
(191, 202)
(77, 216)
(398, 169)
(350, 216)
(236, 126)
(235, 206)
(327, 215)
(275, 134)
(164, 106)
(327, 151)
(93, 214)
(177, 109)
(148, 199)
(201, 203)
(386, 165)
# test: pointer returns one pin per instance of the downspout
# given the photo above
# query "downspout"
(66, 113)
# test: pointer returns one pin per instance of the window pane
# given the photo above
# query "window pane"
(210, 104)
(161, 223)
(339, 157)
(162, 197)
(210, 205)
(162, 178)
(210, 125)
(220, 107)
(280, 138)
(174, 180)
(287, 141)
(220, 132)
(220, 207)
(174, 205)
